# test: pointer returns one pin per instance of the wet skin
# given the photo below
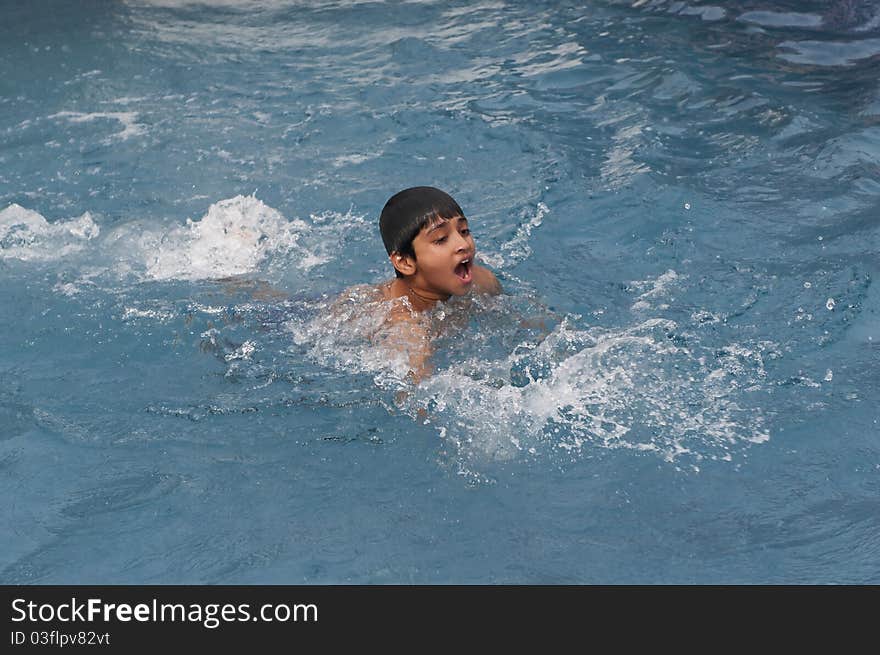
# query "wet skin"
(443, 267)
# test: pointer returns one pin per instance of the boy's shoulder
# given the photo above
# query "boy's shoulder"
(349, 303)
(361, 293)
(370, 294)
(485, 280)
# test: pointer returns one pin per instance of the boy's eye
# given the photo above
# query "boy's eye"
(465, 231)
(440, 240)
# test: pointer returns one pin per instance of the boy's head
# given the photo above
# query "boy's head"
(410, 211)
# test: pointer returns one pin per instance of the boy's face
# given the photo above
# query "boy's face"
(444, 259)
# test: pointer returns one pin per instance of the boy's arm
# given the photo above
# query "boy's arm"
(405, 334)
(419, 351)
(256, 289)
(352, 297)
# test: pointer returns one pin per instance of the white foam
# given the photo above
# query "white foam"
(128, 120)
(234, 237)
(517, 249)
(27, 235)
(654, 289)
(244, 351)
(352, 159)
(126, 100)
(206, 309)
(160, 315)
(69, 289)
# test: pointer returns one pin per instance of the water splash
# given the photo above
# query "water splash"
(578, 390)
(26, 235)
(236, 236)
(128, 119)
(569, 391)
(347, 335)
(517, 249)
(232, 238)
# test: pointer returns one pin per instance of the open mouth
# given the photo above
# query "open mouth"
(463, 270)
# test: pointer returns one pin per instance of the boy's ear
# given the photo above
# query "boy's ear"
(403, 263)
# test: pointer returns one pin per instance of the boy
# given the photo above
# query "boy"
(429, 243)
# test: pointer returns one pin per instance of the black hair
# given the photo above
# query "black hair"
(408, 211)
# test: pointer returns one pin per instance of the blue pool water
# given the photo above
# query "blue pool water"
(687, 193)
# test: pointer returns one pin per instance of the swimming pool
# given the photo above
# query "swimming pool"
(692, 189)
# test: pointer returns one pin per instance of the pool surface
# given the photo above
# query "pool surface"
(687, 194)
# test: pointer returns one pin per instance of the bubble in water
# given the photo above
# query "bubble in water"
(829, 375)
(829, 304)
(807, 285)
(687, 205)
